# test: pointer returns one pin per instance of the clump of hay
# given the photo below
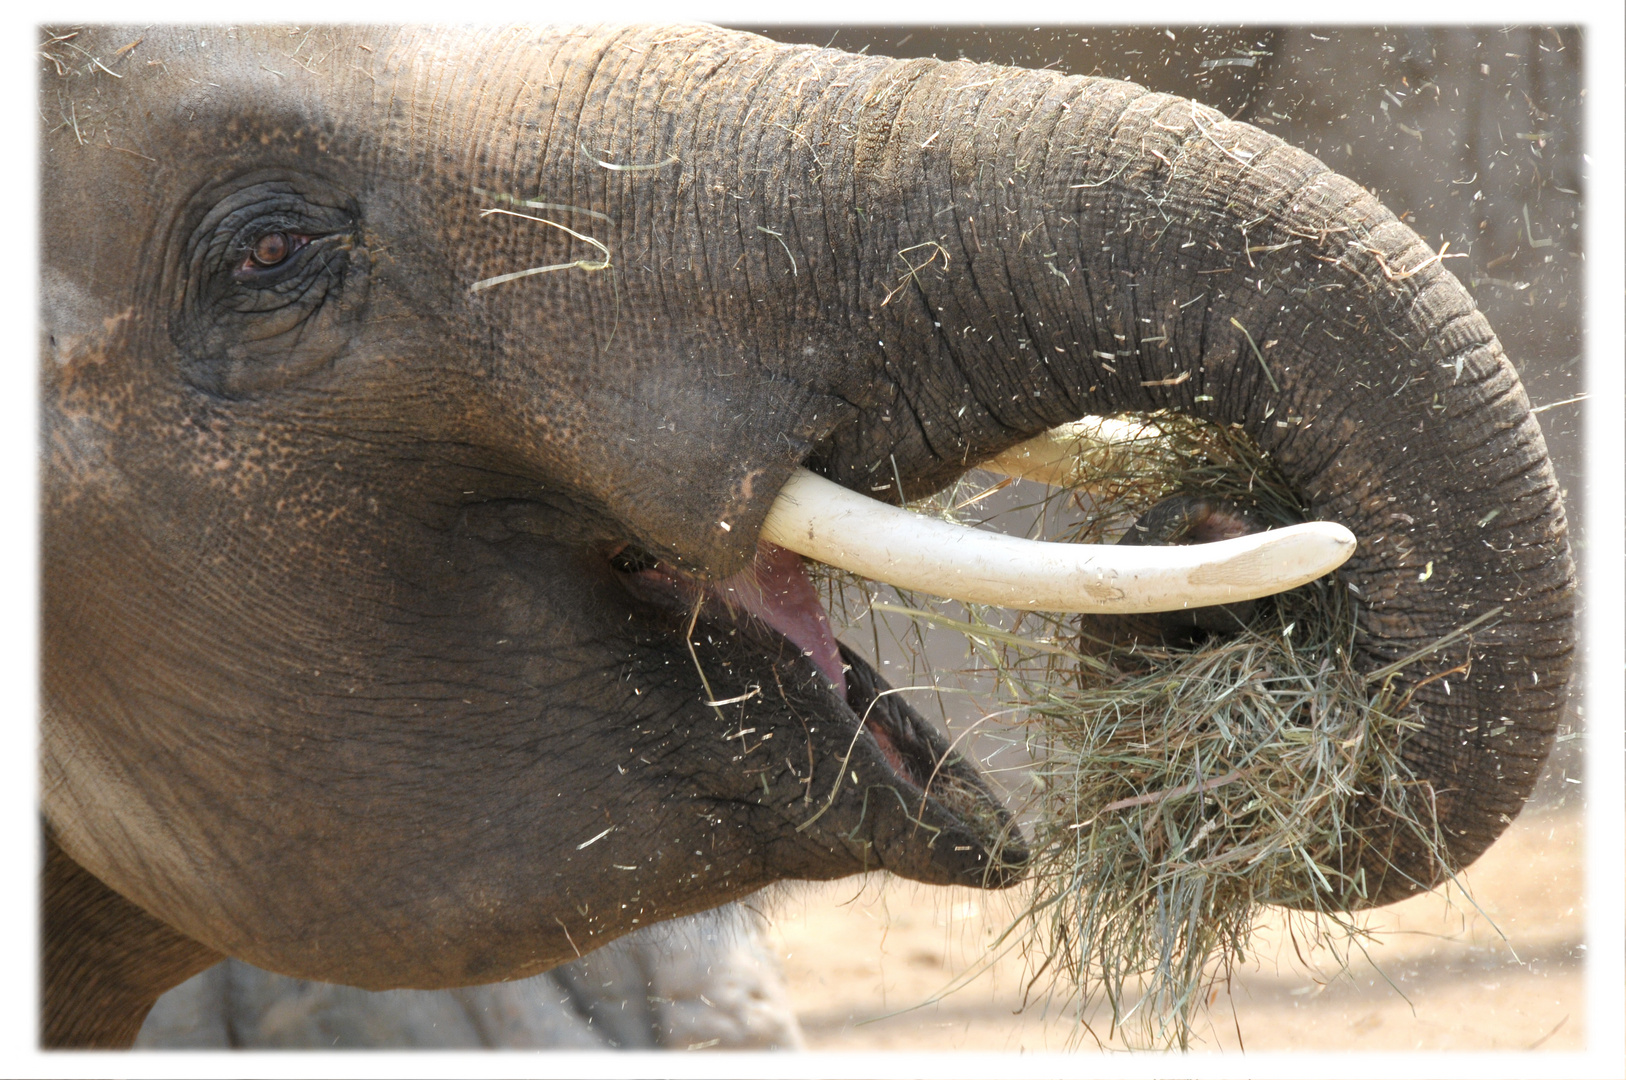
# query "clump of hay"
(1184, 788)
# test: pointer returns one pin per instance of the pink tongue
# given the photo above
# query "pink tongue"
(776, 590)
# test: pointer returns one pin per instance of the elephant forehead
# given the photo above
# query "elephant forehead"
(212, 86)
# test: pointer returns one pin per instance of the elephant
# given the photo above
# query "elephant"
(414, 401)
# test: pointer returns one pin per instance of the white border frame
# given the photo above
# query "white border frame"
(1601, 566)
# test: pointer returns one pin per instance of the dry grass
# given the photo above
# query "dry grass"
(1184, 788)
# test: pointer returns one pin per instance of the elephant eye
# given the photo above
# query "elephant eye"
(266, 254)
(272, 250)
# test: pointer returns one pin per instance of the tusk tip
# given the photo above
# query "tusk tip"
(1326, 545)
(1338, 538)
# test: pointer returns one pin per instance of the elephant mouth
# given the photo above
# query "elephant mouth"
(773, 604)
(961, 831)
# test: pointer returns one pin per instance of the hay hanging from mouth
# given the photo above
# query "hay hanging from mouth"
(1183, 786)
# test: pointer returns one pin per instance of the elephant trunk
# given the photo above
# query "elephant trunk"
(893, 270)
(1046, 247)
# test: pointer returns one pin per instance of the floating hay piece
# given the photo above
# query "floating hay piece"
(1184, 787)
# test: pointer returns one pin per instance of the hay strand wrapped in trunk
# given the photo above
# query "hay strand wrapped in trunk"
(1192, 769)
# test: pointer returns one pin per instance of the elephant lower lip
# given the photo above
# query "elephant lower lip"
(924, 768)
(776, 589)
(864, 693)
(981, 844)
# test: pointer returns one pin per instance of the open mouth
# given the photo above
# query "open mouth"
(773, 603)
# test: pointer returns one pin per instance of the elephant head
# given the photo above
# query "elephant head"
(414, 400)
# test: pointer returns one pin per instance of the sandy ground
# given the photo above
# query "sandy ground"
(865, 958)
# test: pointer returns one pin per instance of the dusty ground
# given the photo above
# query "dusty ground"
(865, 958)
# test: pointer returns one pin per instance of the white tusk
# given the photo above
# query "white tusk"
(825, 521)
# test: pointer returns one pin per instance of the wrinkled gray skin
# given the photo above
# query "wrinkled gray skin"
(366, 596)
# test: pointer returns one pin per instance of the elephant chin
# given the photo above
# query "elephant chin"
(954, 828)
